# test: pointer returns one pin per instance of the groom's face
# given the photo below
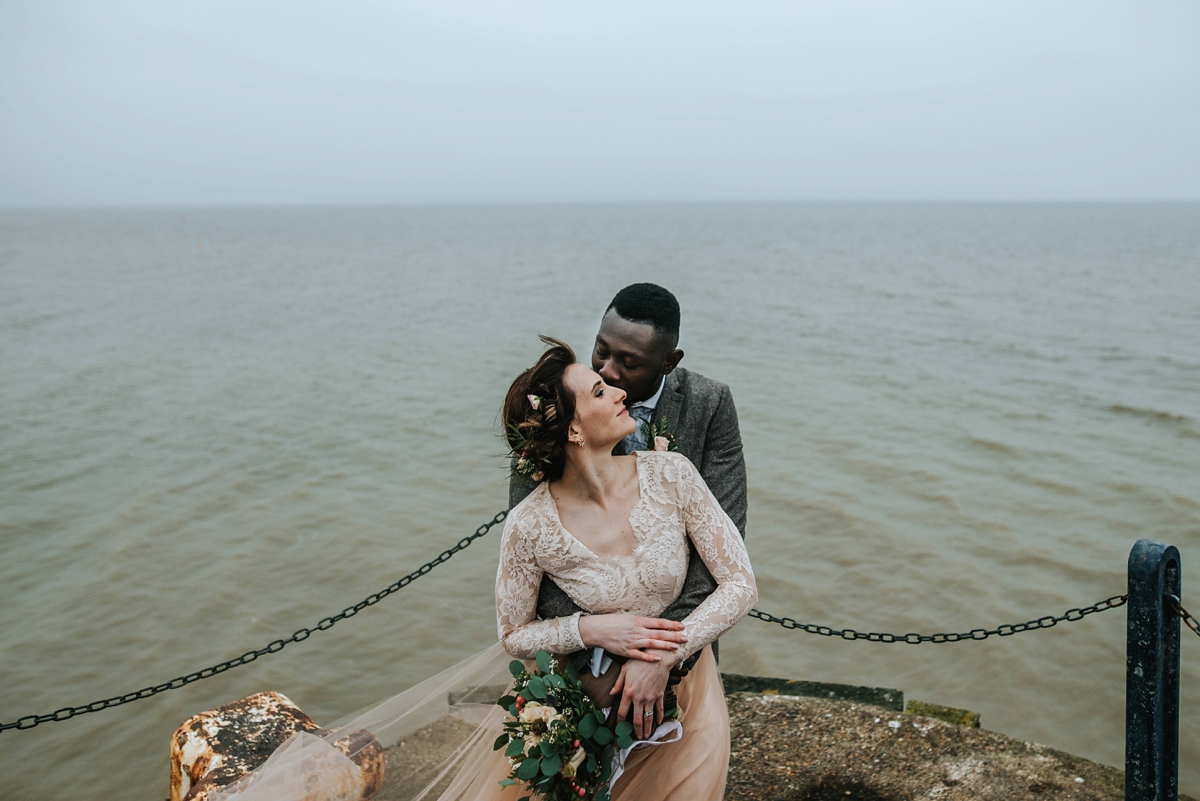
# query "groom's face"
(631, 356)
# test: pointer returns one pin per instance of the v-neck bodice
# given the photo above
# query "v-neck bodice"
(633, 512)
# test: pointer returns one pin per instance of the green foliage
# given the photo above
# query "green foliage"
(564, 721)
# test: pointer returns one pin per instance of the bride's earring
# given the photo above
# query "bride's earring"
(580, 442)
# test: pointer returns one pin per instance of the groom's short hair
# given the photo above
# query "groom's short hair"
(651, 305)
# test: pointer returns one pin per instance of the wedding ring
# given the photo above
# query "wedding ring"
(648, 713)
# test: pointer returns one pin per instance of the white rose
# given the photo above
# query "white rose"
(531, 712)
(661, 443)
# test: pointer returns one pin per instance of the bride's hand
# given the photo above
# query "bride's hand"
(631, 636)
(642, 687)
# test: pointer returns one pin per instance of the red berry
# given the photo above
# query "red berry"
(575, 744)
(579, 791)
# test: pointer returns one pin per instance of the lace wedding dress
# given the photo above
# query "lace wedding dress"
(439, 734)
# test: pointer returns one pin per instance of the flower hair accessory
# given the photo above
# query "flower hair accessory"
(524, 462)
(535, 401)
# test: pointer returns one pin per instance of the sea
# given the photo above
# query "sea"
(220, 425)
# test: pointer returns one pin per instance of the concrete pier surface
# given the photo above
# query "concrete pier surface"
(790, 741)
(794, 748)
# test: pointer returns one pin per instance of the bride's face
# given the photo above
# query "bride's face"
(601, 418)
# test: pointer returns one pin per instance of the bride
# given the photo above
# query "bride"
(612, 532)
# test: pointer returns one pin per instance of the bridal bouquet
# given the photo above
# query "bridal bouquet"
(557, 742)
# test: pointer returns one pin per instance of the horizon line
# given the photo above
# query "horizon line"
(176, 205)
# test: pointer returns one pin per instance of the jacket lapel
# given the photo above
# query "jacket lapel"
(666, 414)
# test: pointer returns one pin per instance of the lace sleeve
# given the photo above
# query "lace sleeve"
(720, 546)
(517, 583)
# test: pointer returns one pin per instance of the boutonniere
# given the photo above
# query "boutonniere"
(658, 438)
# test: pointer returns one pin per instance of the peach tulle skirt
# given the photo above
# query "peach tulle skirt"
(437, 741)
(692, 769)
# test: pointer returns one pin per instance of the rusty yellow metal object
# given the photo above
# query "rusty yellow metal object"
(216, 748)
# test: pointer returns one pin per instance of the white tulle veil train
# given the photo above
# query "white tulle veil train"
(436, 738)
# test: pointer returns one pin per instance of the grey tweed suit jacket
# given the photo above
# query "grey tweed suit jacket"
(699, 412)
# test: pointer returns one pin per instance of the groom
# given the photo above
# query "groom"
(636, 350)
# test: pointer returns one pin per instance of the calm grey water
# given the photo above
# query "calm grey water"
(217, 426)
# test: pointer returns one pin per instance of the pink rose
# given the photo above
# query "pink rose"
(661, 443)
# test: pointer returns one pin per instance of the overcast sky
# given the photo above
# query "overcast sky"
(144, 103)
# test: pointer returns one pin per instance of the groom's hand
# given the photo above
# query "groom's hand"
(642, 686)
(632, 636)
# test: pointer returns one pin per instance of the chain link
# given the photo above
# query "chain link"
(1177, 608)
(66, 713)
(1007, 630)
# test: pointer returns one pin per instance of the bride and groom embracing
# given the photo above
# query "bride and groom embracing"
(623, 549)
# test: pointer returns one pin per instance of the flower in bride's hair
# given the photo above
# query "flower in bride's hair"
(538, 476)
(661, 443)
(534, 401)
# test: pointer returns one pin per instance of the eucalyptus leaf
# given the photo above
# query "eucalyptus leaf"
(551, 764)
(548, 749)
(624, 727)
(624, 741)
(516, 668)
(603, 736)
(537, 687)
(544, 661)
(506, 701)
(587, 724)
(507, 782)
(527, 769)
(515, 748)
(500, 741)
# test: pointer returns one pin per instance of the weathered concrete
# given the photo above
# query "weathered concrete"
(880, 696)
(961, 717)
(792, 748)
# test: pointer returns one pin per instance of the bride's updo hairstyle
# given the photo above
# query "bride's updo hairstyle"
(538, 411)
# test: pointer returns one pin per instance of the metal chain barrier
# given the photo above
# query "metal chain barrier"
(66, 713)
(1177, 608)
(1007, 630)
